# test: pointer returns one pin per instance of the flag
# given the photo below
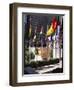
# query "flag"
(30, 27)
(52, 28)
(30, 30)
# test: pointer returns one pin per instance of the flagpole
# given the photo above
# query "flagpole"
(47, 41)
(41, 40)
(29, 36)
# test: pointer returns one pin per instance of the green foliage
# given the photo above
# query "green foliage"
(26, 55)
(31, 55)
(36, 51)
(36, 64)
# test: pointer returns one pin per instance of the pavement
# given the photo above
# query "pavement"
(49, 68)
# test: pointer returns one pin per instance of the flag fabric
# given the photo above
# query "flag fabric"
(52, 28)
(30, 27)
(30, 30)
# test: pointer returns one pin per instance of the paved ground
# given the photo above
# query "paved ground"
(49, 68)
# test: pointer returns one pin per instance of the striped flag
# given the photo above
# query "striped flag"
(52, 28)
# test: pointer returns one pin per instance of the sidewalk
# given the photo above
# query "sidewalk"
(49, 68)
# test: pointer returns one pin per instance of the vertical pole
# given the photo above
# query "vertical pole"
(41, 33)
(30, 37)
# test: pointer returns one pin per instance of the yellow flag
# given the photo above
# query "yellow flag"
(30, 30)
(50, 31)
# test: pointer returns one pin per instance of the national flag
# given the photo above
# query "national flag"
(52, 28)
(30, 27)
(30, 30)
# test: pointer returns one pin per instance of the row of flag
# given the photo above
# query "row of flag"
(51, 33)
(54, 27)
